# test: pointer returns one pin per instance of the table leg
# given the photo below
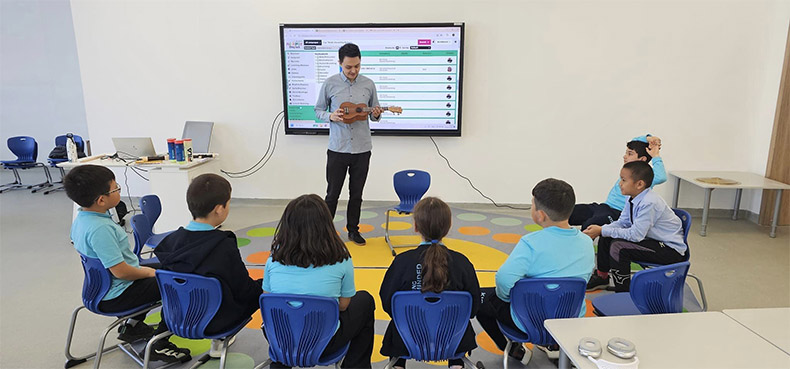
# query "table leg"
(775, 222)
(565, 361)
(705, 207)
(676, 195)
(737, 206)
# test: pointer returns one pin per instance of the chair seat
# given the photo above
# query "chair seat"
(515, 335)
(404, 209)
(329, 359)
(227, 333)
(149, 261)
(616, 304)
(18, 164)
(126, 312)
(55, 162)
(154, 240)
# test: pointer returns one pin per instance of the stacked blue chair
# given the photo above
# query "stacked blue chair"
(536, 299)
(95, 286)
(53, 162)
(141, 230)
(685, 218)
(189, 303)
(298, 328)
(656, 290)
(26, 150)
(410, 185)
(432, 324)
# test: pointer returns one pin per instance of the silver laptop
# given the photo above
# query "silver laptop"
(133, 147)
(200, 133)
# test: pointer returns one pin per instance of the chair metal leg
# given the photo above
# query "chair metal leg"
(468, 362)
(71, 359)
(701, 291)
(264, 364)
(151, 342)
(102, 338)
(507, 351)
(16, 184)
(387, 232)
(391, 363)
(45, 184)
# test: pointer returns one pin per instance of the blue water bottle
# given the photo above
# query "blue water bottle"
(180, 152)
(171, 149)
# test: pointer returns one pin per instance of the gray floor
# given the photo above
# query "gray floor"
(40, 274)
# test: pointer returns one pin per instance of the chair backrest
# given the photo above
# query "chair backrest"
(189, 302)
(61, 141)
(685, 218)
(141, 229)
(298, 327)
(431, 324)
(24, 147)
(151, 208)
(659, 290)
(536, 299)
(96, 284)
(410, 185)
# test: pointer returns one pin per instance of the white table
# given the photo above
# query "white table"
(747, 181)
(772, 324)
(168, 180)
(686, 340)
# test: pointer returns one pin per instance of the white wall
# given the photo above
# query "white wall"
(40, 85)
(551, 89)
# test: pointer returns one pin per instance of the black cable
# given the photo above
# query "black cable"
(470, 181)
(269, 152)
(128, 190)
(272, 132)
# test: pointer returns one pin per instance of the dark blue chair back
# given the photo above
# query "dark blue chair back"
(24, 147)
(431, 324)
(151, 207)
(96, 284)
(141, 229)
(536, 299)
(659, 290)
(299, 327)
(189, 302)
(62, 139)
(685, 218)
(410, 185)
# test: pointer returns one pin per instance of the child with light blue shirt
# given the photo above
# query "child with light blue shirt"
(647, 230)
(556, 251)
(309, 258)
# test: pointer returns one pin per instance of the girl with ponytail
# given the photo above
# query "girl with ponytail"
(431, 267)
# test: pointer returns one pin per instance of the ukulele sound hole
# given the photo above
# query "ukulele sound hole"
(359, 110)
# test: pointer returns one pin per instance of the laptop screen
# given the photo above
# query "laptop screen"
(200, 133)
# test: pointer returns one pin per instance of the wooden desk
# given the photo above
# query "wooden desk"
(772, 324)
(747, 181)
(168, 180)
(686, 340)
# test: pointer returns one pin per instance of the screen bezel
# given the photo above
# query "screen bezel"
(377, 132)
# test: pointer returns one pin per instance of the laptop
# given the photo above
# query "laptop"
(200, 133)
(133, 147)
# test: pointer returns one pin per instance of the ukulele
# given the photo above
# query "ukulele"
(354, 112)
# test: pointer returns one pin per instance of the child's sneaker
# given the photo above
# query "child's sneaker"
(553, 351)
(130, 333)
(216, 347)
(164, 350)
(597, 282)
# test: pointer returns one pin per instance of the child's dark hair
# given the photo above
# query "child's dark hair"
(640, 171)
(206, 192)
(640, 148)
(555, 197)
(85, 183)
(433, 220)
(306, 235)
(348, 50)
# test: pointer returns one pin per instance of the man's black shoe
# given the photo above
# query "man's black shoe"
(356, 238)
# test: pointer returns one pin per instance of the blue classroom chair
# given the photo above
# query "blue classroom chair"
(656, 290)
(410, 185)
(26, 150)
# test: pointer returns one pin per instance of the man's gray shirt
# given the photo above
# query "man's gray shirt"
(351, 138)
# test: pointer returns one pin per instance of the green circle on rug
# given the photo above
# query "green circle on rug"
(241, 242)
(261, 232)
(506, 222)
(195, 346)
(471, 217)
(532, 227)
(367, 214)
(233, 360)
(338, 218)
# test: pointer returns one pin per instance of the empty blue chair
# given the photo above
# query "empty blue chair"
(656, 290)
(432, 324)
(410, 185)
(94, 288)
(298, 328)
(685, 218)
(189, 302)
(536, 299)
(141, 230)
(151, 207)
(26, 150)
(53, 162)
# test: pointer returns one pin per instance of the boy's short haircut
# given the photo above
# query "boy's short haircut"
(348, 50)
(640, 171)
(206, 192)
(640, 148)
(84, 184)
(555, 197)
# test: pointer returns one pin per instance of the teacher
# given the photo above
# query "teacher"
(349, 143)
